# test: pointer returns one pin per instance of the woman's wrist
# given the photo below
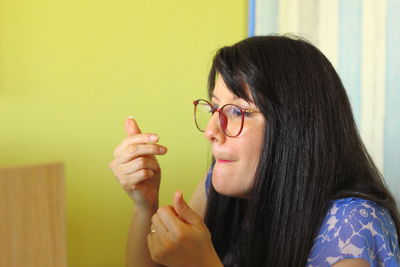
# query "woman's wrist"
(210, 260)
(146, 210)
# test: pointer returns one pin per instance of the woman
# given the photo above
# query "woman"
(291, 183)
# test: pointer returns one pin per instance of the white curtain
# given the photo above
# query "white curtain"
(361, 38)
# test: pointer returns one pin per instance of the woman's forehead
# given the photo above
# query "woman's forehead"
(222, 93)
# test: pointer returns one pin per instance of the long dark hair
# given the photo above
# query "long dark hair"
(311, 154)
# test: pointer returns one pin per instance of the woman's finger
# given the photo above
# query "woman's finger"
(157, 238)
(147, 149)
(135, 139)
(155, 246)
(138, 164)
(170, 219)
(135, 171)
(131, 126)
(131, 180)
(158, 226)
(135, 151)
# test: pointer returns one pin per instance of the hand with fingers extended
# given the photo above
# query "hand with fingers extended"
(136, 167)
(180, 238)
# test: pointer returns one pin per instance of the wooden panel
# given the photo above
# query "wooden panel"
(32, 216)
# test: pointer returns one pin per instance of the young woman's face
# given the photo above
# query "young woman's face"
(236, 158)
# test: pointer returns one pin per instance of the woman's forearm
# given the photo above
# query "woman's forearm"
(137, 252)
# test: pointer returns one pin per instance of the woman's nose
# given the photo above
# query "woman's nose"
(213, 131)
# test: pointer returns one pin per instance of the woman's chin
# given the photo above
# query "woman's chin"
(224, 186)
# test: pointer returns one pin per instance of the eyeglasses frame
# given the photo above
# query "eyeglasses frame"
(213, 110)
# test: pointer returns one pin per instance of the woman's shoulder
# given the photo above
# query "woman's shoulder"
(353, 202)
(356, 228)
(357, 208)
(361, 214)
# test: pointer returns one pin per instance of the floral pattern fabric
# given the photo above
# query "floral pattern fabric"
(353, 228)
(356, 228)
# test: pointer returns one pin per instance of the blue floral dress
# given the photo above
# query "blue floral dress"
(356, 228)
(353, 228)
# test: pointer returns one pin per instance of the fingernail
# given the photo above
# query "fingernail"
(153, 138)
(130, 117)
(162, 149)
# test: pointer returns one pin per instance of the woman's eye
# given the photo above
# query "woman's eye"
(234, 111)
(237, 112)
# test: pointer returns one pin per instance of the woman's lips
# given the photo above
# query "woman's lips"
(224, 161)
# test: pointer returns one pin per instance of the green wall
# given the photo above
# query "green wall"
(72, 71)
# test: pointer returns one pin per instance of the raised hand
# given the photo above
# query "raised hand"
(179, 237)
(136, 167)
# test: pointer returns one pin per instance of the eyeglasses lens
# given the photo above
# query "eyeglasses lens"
(203, 115)
(230, 118)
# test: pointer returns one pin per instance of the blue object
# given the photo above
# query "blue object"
(252, 17)
(352, 228)
(356, 228)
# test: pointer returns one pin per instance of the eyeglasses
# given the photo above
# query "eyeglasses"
(231, 117)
